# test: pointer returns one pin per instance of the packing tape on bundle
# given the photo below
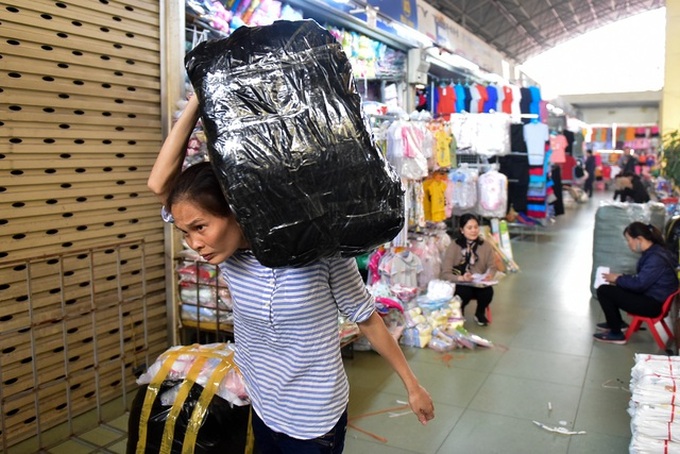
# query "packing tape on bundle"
(152, 393)
(184, 388)
(201, 407)
(169, 359)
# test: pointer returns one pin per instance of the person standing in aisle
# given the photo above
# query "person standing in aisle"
(590, 168)
(469, 262)
(628, 162)
(285, 319)
(642, 293)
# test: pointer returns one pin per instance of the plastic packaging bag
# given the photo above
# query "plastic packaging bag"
(290, 146)
(223, 430)
(192, 400)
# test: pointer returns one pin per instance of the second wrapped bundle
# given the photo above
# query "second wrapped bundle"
(289, 144)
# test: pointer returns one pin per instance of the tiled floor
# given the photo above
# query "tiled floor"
(544, 367)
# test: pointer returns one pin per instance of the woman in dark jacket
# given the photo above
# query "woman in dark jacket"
(631, 189)
(642, 293)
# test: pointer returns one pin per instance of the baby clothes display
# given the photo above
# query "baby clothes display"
(484, 134)
(408, 146)
(464, 189)
(493, 194)
(403, 268)
(434, 202)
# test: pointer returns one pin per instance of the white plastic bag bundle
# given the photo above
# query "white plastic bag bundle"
(176, 364)
(655, 425)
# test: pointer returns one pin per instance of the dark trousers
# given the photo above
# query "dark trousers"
(483, 295)
(614, 299)
(588, 185)
(269, 442)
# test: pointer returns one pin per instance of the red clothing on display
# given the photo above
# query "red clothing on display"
(447, 100)
(507, 101)
(484, 96)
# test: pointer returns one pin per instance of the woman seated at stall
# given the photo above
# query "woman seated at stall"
(470, 260)
(642, 293)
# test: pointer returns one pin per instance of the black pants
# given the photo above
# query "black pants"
(483, 295)
(269, 442)
(614, 299)
(588, 185)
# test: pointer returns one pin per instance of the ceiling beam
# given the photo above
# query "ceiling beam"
(478, 5)
(513, 20)
(596, 18)
(521, 27)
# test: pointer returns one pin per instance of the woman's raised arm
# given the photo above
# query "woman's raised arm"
(171, 155)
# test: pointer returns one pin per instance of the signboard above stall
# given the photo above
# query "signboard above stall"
(417, 24)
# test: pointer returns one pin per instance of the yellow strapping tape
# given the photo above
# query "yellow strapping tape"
(250, 439)
(201, 407)
(152, 392)
(184, 388)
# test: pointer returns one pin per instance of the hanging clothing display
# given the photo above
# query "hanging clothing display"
(464, 189)
(483, 134)
(444, 149)
(446, 102)
(558, 145)
(540, 189)
(476, 100)
(515, 167)
(491, 98)
(468, 98)
(460, 97)
(525, 101)
(409, 144)
(492, 190)
(536, 135)
(434, 200)
(535, 104)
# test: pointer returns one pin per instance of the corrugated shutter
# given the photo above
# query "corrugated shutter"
(82, 286)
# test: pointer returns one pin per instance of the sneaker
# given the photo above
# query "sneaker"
(610, 338)
(604, 327)
(481, 320)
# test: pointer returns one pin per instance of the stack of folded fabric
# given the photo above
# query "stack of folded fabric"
(654, 385)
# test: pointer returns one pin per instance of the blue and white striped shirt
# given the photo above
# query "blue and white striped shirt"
(287, 340)
(286, 332)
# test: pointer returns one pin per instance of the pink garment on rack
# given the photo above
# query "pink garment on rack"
(413, 141)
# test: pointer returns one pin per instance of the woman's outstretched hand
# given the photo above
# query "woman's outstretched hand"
(421, 404)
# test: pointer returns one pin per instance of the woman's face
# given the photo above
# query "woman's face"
(470, 230)
(633, 244)
(215, 238)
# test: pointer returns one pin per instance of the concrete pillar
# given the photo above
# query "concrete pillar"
(670, 103)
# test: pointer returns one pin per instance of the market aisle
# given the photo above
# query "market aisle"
(486, 400)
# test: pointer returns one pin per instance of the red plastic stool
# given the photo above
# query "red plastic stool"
(637, 320)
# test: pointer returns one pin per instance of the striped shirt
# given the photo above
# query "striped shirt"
(286, 332)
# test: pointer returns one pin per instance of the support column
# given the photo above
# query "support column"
(670, 102)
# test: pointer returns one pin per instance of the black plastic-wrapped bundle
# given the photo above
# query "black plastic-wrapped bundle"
(290, 146)
(223, 430)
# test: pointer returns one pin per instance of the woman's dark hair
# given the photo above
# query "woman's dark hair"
(646, 231)
(198, 184)
(464, 219)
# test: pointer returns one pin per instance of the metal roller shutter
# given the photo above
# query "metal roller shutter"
(82, 269)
